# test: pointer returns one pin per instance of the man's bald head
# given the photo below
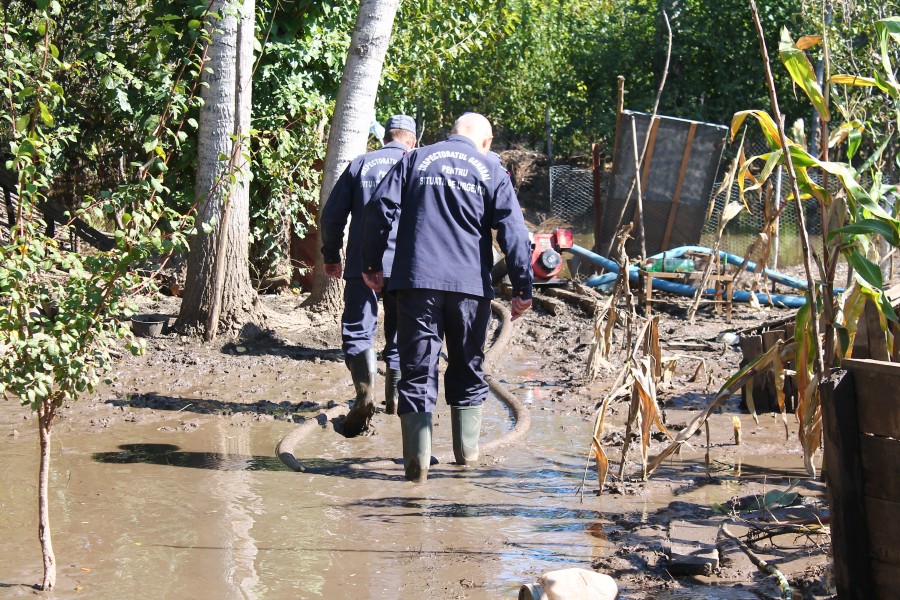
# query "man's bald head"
(477, 128)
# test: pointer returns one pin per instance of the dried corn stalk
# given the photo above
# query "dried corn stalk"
(601, 344)
(734, 383)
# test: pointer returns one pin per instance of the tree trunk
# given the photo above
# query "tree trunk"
(350, 124)
(226, 109)
(45, 421)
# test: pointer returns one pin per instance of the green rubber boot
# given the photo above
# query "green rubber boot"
(362, 370)
(465, 422)
(416, 431)
(391, 379)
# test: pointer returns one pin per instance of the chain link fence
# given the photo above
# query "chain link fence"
(572, 194)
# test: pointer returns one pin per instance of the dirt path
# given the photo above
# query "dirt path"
(476, 534)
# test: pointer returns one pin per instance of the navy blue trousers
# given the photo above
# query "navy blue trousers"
(424, 319)
(360, 320)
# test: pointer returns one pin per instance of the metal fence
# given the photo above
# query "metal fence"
(571, 193)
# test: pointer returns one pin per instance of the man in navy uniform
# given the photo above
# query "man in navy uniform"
(349, 197)
(447, 197)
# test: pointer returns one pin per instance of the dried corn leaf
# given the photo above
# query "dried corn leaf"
(731, 210)
(778, 373)
(751, 403)
(734, 383)
(649, 413)
(701, 366)
(633, 412)
(810, 415)
(602, 463)
(598, 356)
(668, 369)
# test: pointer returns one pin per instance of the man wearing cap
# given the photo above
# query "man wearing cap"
(349, 197)
(452, 195)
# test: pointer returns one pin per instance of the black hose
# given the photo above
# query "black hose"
(520, 413)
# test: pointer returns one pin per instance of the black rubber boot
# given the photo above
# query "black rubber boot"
(465, 423)
(416, 431)
(391, 379)
(362, 370)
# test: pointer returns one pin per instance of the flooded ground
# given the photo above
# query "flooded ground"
(165, 485)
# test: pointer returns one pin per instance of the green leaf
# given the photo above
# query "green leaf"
(22, 122)
(46, 117)
(866, 269)
(194, 24)
(802, 73)
(868, 227)
(853, 140)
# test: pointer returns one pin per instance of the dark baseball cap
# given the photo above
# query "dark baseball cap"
(401, 122)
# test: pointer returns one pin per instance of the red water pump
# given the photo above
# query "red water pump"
(545, 254)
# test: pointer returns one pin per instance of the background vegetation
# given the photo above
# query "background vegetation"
(510, 59)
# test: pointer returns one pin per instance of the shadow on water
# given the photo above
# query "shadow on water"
(205, 406)
(423, 507)
(172, 456)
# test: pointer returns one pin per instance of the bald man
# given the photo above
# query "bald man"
(452, 194)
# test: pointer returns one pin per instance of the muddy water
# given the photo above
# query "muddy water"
(154, 511)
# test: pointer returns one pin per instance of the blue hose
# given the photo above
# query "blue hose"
(688, 290)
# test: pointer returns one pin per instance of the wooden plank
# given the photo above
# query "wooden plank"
(676, 197)
(880, 458)
(878, 394)
(884, 530)
(751, 347)
(770, 337)
(587, 303)
(874, 336)
(887, 580)
(878, 367)
(849, 534)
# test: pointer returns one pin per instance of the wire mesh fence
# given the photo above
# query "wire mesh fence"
(572, 193)
(743, 229)
(571, 199)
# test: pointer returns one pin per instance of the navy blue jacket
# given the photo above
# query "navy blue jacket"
(447, 198)
(349, 196)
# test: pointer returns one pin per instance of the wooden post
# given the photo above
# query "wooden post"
(598, 197)
(844, 474)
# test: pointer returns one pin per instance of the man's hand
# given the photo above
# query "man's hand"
(334, 270)
(519, 307)
(374, 280)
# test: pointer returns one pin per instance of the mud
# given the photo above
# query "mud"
(165, 482)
